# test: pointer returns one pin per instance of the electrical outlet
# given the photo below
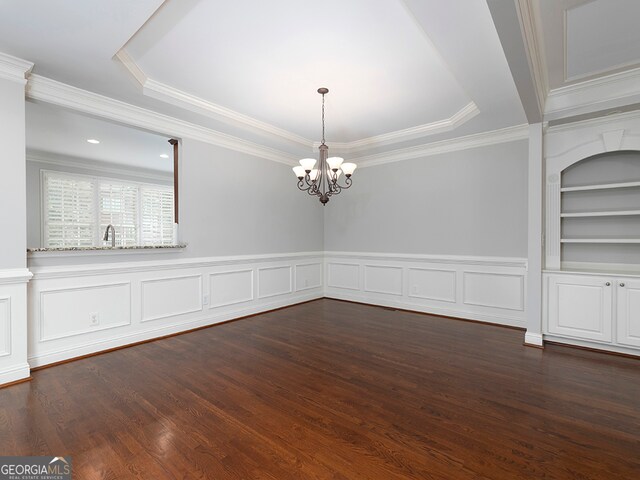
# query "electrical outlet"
(414, 289)
(205, 300)
(306, 282)
(94, 318)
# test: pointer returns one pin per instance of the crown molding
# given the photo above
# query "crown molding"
(592, 95)
(48, 158)
(174, 96)
(14, 68)
(462, 116)
(504, 135)
(529, 17)
(594, 122)
(51, 91)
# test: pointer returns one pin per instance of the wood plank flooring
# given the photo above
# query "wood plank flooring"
(334, 390)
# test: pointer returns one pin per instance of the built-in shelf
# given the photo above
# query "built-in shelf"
(602, 213)
(604, 186)
(600, 240)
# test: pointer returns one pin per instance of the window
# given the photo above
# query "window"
(78, 208)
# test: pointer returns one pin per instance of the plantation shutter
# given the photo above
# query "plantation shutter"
(69, 210)
(119, 207)
(157, 214)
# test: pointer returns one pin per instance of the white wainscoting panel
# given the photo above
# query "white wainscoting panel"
(383, 279)
(432, 284)
(308, 276)
(138, 301)
(13, 325)
(230, 288)
(171, 296)
(490, 289)
(343, 275)
(5, 326)
(273, 281)
(67, 312)
(499, 290)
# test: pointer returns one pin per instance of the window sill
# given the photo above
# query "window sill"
(91, 251)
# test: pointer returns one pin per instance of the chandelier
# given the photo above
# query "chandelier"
(323, 181)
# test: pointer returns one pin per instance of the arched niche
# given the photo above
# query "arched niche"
(569, 146)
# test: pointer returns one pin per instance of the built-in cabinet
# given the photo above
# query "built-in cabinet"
(604, 309)
(591, 281)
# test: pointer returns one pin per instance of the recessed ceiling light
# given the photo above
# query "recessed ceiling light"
(164, 155)
(93, 140)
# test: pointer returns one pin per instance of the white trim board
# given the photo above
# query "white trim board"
(14, 68)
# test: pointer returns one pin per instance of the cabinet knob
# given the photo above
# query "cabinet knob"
(621, 284)
(608, 284)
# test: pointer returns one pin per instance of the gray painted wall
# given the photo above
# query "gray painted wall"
(13, 241)
(236, 204)
(471, 202)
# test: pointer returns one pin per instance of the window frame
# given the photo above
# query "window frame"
(97, 179)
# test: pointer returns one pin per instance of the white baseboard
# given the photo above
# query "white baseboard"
(15, 373)
(414, 307)
(533, 338)
(593, 345)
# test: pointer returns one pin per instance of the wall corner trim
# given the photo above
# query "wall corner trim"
(14, 68)
(534, 339)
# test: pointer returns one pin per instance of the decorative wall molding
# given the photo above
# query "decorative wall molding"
(5, 325)
(110, 169)
(498, 295)
(170, 296)
(68, 271)
(14, 68)
(275, 281)
(532, 36)
(505, 135)
(459, 118)
(610, 91)
(76, 296)
(50, 91)
(15, 275)
(234, 287)
(308, 276)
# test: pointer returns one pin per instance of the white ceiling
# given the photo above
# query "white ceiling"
(383, 73)
(52, 130)
(586, 39)
(428, 69)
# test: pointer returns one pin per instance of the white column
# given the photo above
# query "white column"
(14, 274)
(533, 336)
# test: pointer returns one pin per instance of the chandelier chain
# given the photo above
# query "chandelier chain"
(323, 118)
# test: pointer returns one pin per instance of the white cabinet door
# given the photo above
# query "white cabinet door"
(628, 318)
(581, 307)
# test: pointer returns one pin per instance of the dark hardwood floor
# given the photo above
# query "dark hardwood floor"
(334, 390)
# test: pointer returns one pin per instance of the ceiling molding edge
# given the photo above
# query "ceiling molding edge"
(51, 91)
(532, 35)
(49, 158)
(14, 68)
(594, 122)
(494, 137)
(179, 98)
(459, 118)
(593, 95)
(174, 96)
